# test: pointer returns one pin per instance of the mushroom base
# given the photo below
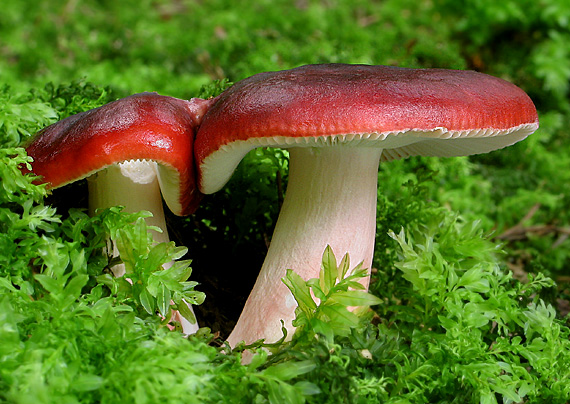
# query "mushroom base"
(330, 200)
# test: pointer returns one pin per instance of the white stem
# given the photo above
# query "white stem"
(135, 186)
(330, 200)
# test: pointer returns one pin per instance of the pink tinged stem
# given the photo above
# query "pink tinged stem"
(330, 200)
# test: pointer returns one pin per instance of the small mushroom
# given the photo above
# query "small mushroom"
(338, 122)
(130, 150)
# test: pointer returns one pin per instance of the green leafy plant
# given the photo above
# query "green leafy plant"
(145, 279)
(479, 327)
(21, 115)
(335, 290)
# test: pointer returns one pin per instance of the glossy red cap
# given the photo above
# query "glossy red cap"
(434, 112)
(142, 126)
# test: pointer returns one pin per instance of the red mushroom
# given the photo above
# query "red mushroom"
(130, 150)
(338, 121)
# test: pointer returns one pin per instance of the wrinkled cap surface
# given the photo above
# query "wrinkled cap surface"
(144, 126)
(431, 112)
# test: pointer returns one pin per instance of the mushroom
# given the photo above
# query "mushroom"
(338, 122)
(129, 150)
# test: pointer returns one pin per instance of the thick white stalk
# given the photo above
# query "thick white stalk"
(134, 185)
(330, 200)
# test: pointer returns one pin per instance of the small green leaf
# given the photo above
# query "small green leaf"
(355, 298)
(283, 393)
(344, 267)
(507, 392)
(300, 291)
(180, 271)
(73, 289)
(178, 252)
(472, 280)
(126, 251)
(307, 388)
(163, 298)
(185, 312)
(289, 370)
(328, 273)
(157, 256)
(322, 327)
(354, 285)
(340, 314)
(314, 284)
(50, 284)
(147, 301)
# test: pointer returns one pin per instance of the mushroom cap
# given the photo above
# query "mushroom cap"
(406, 112)
(144, 126)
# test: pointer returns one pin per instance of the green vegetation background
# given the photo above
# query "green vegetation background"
(61, 57)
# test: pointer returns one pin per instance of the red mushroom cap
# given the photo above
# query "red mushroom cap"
(434, 112)
(142, 126)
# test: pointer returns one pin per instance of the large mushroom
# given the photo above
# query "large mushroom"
(130, 150)
(338, 122)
